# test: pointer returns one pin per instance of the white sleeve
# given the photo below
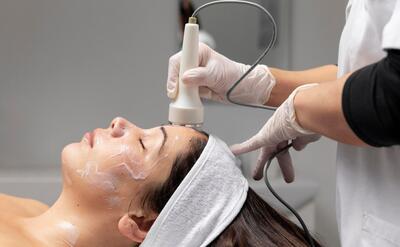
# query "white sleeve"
(391, 32)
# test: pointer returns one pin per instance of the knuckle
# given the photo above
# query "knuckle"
(174, 58)
(203, 47)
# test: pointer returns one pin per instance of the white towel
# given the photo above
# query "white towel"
(205, 203)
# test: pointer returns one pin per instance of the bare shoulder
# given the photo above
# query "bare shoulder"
(21, 206)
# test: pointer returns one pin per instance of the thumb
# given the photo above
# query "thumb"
(199, 76)
(173, 72)
(172, 90)
(251, 144)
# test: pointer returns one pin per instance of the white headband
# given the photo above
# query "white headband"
(205, 203)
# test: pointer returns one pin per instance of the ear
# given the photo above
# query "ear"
(135, 228)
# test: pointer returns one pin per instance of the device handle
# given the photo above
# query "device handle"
(187, 108)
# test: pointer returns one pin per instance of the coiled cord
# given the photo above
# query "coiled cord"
(263, 54)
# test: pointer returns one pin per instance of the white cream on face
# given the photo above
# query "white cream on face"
(98, 141)
(114, 201)
(101, 180)
(137, 172)
(136, 168)
(129, 160)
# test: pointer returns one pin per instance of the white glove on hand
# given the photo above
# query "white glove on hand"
(275, 135)
(216, 74)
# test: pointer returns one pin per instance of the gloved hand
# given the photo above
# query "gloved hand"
(275, 135)
(216, 74)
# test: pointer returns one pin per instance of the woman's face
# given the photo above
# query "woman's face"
(115, 164)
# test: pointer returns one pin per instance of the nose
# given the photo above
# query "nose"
(119, 126)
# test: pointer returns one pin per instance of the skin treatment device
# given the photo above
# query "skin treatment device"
(187, 108)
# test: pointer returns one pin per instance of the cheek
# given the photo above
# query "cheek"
(136, 165)
(125, 162)
(99, 175)
(83, 169)
(106, 167)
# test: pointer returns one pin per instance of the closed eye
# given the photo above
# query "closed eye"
(141, 143)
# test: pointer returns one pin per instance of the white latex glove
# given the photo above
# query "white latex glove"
(216, 74)
(275, 135)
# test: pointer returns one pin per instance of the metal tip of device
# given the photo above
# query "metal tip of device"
(192, 20)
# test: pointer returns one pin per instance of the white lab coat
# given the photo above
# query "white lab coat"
(368, 179)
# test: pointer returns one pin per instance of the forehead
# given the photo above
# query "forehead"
(177, 142)
(178, 132)
(181, 130)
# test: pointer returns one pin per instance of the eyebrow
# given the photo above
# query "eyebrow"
(165, 136)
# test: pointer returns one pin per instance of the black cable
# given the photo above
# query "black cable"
(303, 225)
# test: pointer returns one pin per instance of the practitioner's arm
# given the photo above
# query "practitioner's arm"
(287, 81)
(358, 109)
(263, 85)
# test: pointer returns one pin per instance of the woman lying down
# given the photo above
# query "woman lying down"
(167, 186)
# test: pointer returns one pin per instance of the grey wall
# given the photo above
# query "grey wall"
(316, 29)
(70, 66)
(237, 31)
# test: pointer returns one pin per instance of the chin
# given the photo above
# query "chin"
(73, 156)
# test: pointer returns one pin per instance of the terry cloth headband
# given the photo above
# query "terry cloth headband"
(204, 204)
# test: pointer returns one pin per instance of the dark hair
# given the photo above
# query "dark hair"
(257, 224)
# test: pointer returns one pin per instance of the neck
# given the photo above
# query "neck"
(71, 223)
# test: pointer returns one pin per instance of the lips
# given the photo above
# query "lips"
(90, 138)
